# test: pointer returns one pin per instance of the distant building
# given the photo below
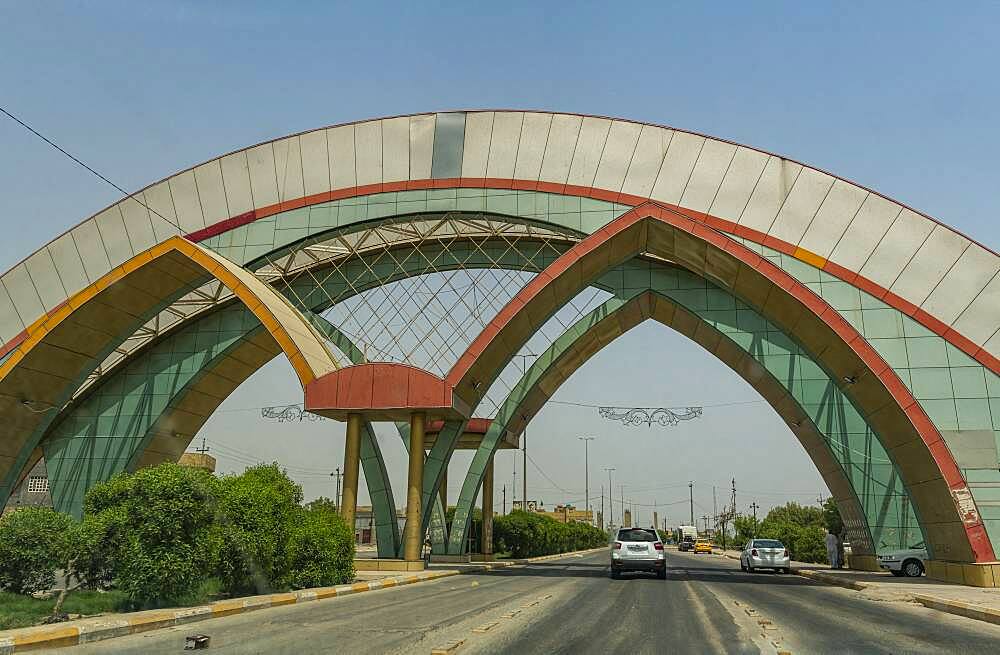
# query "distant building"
(202, 461)
(568, 514)
(33, 490)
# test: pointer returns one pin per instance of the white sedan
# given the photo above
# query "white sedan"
(907, 562)
(765, 554)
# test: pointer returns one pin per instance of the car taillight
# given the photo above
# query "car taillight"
(786, 552)
(618, 545)
(658, 546)
(754, 552)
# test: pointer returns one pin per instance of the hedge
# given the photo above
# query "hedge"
(526, 534)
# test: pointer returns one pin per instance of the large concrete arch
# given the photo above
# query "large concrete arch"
(919, 281)
(60, 349)
(941, 497)
(615, 318)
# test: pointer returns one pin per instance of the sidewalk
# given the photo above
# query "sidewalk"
(972, 602)
(107, 626)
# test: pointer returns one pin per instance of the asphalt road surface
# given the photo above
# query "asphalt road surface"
(706, 605)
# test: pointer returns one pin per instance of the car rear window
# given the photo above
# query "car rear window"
(768, 543)
(636, 535)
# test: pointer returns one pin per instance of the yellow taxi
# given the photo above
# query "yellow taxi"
(702, 546)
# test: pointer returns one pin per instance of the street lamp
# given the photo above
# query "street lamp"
(586, 472)
(611, 503)
(524, 435)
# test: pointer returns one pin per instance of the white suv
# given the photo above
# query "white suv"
(638, 549)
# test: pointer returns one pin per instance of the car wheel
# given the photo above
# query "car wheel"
(912, 568)
(897, 572)
(615, 575)
(751, 569)
(662, 575)
(743, 567)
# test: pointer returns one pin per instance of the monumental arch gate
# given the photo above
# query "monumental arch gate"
(403, 264)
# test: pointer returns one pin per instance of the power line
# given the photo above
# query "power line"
(86, 166)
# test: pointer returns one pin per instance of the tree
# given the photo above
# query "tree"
(799, 527)
(34, 542)
(831, 516)
(320, 548)
(155, 529)
(257, 510)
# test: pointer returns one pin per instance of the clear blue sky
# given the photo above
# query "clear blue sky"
(901, 97)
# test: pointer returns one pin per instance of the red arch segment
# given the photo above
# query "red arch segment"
(595, 253)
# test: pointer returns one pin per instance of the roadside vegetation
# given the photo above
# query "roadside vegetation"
(802, 528)
(167, 536)
(525, 534)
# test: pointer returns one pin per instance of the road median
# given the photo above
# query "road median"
(98, 628)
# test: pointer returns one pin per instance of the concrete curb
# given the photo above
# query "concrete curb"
(834, 580)
(83, 631)
(957, 607)
(960, 608)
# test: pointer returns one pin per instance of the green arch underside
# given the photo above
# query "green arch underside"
(879, 490)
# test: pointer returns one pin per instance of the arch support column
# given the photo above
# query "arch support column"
(412, 537)
(352, 460)
(487, 492)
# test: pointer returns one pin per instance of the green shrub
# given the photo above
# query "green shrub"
(320, 549)
(800, 527)
(34, 542)
(154, 531)
(527, 534)
(257, 510)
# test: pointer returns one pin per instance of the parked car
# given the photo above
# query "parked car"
(702, 546)
(907, 562)
(637, 549)
(765, 554)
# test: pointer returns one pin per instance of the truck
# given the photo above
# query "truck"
(686, 536)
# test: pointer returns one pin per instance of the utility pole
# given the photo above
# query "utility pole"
(704, 519)
(691, 494)
(611, 503)
(623, 505)
(505, 500)
(602, 508)
(524, 437)
(336, 498)
(586, 472)
(715, 508)
(513, 486)
(754, 507)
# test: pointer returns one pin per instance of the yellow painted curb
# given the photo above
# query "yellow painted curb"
(100, 628)
(960, 608)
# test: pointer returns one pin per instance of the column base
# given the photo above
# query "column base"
(372, 564)
(863, 563)
(973, 575)
(480, 557)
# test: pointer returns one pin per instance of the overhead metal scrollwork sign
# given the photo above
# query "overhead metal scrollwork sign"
(287, 413)
(650, 415)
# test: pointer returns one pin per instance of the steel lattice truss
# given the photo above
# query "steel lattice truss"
(391, 250)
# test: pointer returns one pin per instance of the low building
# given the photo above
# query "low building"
(202, 461)
(33, 490)
(568, 514)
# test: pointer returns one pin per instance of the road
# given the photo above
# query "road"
(571, 606)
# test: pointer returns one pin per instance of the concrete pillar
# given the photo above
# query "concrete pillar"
(352, 460)
(412, 534)
(487, 543)
(444, 490)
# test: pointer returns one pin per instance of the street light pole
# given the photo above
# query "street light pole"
(524, 437)
(691, 494)
(586, 472)
(611, 503)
